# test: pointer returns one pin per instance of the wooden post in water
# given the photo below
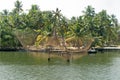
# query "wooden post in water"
(49, 56)
(68, 56)
(49, 51)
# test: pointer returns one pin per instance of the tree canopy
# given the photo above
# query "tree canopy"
(101, 26)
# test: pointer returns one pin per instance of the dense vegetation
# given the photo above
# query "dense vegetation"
(103, 28)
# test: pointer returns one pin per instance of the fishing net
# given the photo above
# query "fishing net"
(53, 42)
(26, 37)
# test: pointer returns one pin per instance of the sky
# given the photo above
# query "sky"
(68, 8)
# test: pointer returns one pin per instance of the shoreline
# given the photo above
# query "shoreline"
(12, 49)
(45, 50)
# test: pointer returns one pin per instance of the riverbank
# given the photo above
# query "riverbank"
(112, 48)
(99, 49)
(12, 49)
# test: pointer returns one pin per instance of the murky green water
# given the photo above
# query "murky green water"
(34, 66)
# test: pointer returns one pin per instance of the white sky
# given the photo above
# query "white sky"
(68, 8)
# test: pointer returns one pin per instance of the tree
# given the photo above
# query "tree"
(43, 24)
(35, 20)
(7, 37)
(105, 27)
(77, 32)
(18, 7)
(89, 15)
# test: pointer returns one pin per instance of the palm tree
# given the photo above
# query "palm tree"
(18, 7)
(105, 27)
(56, 19)
(60, 26)
(35, 18)
(89, 12)
(5, 12)
(89, 15)
(77, 33)
(15, 14)
(34, 8)
(114, 20)
(7, 37)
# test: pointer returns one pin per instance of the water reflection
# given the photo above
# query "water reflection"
(34, 66)
(33, 58)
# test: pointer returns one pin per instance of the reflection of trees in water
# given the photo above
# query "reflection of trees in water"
(98, 59)
(41, 58)
(22, 58)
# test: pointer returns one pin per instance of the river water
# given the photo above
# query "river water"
(34, 66)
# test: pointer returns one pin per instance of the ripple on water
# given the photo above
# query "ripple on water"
(98, 67)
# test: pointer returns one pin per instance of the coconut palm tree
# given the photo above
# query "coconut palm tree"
(89, 15)
(7, 37)
(105, 27)
(18, 7)
(35, 18)
(77, 33)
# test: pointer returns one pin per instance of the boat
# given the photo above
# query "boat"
(92, 51)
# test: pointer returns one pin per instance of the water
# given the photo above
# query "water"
(34, 66)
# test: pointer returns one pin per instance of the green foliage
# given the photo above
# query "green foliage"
(103, 28)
